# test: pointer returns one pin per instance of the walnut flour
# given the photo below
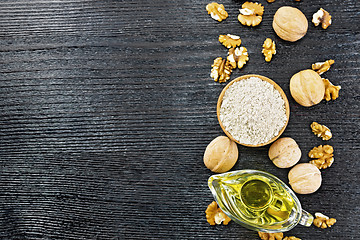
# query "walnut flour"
(253, 111)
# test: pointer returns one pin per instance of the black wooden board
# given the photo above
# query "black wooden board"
(106, 108)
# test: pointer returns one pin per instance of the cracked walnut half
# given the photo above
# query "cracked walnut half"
(214, 215)
(217, 11)
(323, 156)
(269, 49)
(230, 40)
(221, 70)
(321, 131)
(251, 14)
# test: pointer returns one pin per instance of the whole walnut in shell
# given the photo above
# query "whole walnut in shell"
(305, 178)
(221, 154)
(290, 23)
(307, 88)
(285, 152)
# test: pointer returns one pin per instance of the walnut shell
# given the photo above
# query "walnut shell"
(307, 88)
(221, 154)
(285, 152)
(290, 23)
(305, 178)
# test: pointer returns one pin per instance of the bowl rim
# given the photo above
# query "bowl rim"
(276, 86)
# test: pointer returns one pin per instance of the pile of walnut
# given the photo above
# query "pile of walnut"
(331, 91)
(275, 236)
(322, 221)
(237, 57)
(322, 155)
(317, 88)
(250, 15)
(289, 24)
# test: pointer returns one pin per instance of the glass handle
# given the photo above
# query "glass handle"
(306, 219)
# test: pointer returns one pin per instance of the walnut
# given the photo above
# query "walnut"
(322, 221)
(268, 49)
(331, 91)
(321, 131)
(221, 70)
(271, 236)
(323, 156)
(214, 215)
(221, 154)
(307, 88)
(321, 67)
(291, 238)
(284, 152)
(238, 57)
(305, 178)
(251, 14)
(322, 17)
(290, 24)
(229, 40)
(217, 11)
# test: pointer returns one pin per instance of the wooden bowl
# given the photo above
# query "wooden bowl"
(277, 87)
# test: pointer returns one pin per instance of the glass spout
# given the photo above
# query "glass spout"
(306, 219)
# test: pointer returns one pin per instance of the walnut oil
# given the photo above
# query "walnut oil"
(255, 199)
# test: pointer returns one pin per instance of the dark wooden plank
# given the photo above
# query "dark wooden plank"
(106, 108)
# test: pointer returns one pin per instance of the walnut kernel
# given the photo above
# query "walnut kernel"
(323, 17)
(271, 236)
(217, 11)
(322, 221)
(307, 88)
(290, 23)
(230, 40)
(284, 152)
(305, 178)
(238, 57)
(251, 14)
(221, 70)
(214, 215)
(271, 1)
(331, 91)
(291, 238)
(323, 156)
(268, 49)
(321, 131)
(321, 67)
(221, 154)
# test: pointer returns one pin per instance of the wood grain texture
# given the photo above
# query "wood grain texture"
(106, 108)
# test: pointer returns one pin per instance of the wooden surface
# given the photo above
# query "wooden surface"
(106, 108)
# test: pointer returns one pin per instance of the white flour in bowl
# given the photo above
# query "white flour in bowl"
(253, 111)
